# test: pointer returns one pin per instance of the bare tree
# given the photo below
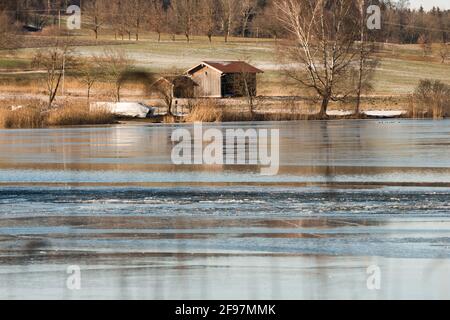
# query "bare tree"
(247, 9)
(171, 19)
(115, 18)
(168, 87)
(367, 61)
(7, 34)
(96, 12)
(126, 18)
(246, 80)
(443, 52)
(209, 18)
(266, 24)
(54, 60)
(187, 12)
(322, 49)
(4, 30)
(425, 44)
(137, 10)
(163, 88)
(432, 97)
(90, 72)
(121, 19)
(156, 17)
(115, 63)
(228, 10)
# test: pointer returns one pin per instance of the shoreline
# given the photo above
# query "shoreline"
(31, 112)
(160, 121)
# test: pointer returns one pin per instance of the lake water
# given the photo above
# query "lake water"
(349, 195)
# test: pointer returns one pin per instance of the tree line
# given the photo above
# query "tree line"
(128, 19)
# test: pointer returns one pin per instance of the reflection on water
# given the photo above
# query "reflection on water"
(349, 194)
(403, 143)
(315, 151)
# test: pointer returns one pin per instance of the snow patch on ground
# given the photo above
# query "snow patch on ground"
(384, 113)
(339, 113)
(126, 109)
(372, 113)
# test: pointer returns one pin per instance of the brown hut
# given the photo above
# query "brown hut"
(224, 79)
(176, 86)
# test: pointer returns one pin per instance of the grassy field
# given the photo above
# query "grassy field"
(399, 71)
(12, 63)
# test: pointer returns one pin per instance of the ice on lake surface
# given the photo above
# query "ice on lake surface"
(349, 195)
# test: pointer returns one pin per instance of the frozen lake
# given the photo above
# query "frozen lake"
(349, 195)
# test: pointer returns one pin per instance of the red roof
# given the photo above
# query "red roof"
(228, 67)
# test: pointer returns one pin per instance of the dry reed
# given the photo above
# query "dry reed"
(21, 118)
(74, 114)
(206, 110)
(39, 117)
(210, 110)
(431, 99)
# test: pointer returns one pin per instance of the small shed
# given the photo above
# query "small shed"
(179, 86)
(224, 79)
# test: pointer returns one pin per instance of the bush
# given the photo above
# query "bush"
(431, 98)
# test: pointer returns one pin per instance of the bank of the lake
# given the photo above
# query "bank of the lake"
(35, 113)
